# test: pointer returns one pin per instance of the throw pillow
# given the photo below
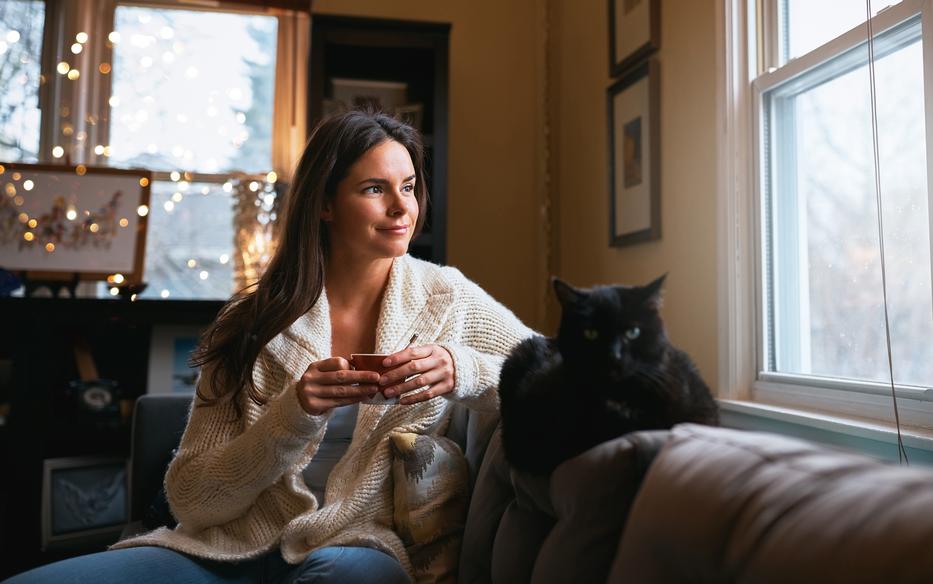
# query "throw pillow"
(430, 477)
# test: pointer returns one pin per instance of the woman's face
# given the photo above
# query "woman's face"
(374, 211)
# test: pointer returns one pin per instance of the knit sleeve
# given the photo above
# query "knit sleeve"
(225, 462)
(488, 331)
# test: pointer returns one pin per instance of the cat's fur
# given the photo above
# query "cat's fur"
(610, 370)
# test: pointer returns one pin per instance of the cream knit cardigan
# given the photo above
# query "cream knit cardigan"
(236, 486)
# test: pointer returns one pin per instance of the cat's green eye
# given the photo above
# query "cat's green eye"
(590, 334)
(632, 333)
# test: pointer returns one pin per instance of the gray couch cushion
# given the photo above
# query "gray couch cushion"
(722, 505)
(592, 495)
(158, 423)
(564, 528)
(491, 495)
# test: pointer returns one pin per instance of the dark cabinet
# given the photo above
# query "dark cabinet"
(44, 416)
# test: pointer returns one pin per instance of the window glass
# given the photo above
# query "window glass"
(189, 245)
(808, 24)
(192, 90)
(21, 26)
(826, 283)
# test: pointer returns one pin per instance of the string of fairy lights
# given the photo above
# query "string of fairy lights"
(18, 186)
(255, 201)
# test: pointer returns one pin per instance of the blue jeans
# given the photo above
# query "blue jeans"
(141, 565)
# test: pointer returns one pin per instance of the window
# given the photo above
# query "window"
(192, 98)
(192, 90)
(825, 310)
(817, 310)
(807, 24)
(195, 91)
(21, 27)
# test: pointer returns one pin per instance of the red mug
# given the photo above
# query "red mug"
(368, 362)
(372, 362)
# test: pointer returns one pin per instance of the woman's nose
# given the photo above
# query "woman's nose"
(396, 204)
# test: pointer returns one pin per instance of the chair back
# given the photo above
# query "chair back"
(158, 423)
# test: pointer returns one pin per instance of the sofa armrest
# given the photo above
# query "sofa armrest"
(158, 423)
(736, 506)
(563, 528)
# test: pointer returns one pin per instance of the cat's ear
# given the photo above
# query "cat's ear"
(652, 293)
(567, 295)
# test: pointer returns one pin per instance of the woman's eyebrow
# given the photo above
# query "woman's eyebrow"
(382, 181)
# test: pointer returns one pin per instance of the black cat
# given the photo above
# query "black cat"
(610, 370)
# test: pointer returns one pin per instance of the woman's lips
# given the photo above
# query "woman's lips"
(396, 230)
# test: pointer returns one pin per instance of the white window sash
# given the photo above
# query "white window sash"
(742, 254)
(88, 97)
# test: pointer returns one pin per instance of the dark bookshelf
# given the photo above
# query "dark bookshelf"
(45, 421)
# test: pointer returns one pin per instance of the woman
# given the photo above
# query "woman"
(246, 485)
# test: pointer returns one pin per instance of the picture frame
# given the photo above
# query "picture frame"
(60, 222)
(378, 95)
(634, 32)
(84, 500)
(169, 351)
(633, 104)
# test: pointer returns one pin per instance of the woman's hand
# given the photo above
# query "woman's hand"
(431, 365)
(329, 383)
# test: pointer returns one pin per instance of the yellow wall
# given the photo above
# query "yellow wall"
(491, 223)
(493, 219)
(687, 248)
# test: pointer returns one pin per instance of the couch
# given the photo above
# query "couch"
(691, 504)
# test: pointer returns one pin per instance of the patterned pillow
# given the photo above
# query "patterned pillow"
(430, 476)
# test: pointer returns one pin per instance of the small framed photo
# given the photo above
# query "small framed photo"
(170, 349)
(634, 156)
(634, 32)
(58, 222)
(376, 95)
(83, 498)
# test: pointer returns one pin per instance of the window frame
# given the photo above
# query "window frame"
(64, 18)
(88, 96)
(750, 52)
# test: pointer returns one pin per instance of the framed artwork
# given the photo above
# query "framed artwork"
(60, 221)
(170, 349)
(634, 32)
(634, 156)
(348, 94)
(83, 498)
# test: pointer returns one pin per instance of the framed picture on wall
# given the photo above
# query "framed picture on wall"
(634, 32)
(59, 221)
(370, 94)
(170, 349)
(83, 499)
(634, 156)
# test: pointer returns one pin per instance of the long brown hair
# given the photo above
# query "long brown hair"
(294, 278)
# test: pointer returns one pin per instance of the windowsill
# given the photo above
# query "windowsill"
(913, 437)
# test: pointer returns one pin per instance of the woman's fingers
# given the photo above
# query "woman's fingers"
(347, 376)
(329, 383)
(408, 354)
(406, 370)
(330, 364)
(431, 392)
(340, 390)
(345, 391)
(340, 377)
(420, 380)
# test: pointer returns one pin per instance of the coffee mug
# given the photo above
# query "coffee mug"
(372, 362)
